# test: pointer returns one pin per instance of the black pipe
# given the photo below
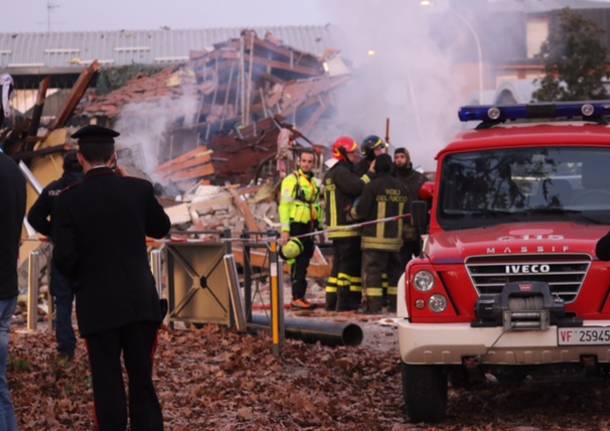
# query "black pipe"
(314, 330)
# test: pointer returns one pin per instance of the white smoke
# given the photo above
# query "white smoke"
(144, 128)
(402, 72)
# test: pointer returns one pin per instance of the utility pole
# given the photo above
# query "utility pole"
(50, 7)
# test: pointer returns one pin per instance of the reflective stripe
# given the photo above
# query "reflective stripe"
(365, 178)
(384, 276)
(343, 234)
(374, 291)
(342, 283)
(380, 227)
(385, 284)
(393, 291)
(343, 276)
(330, 289)
(333, 209)
(401, 207)
(356, 279)
(385, 244)
(331, 280)
(354, 288)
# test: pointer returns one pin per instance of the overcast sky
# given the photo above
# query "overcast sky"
(71, 15)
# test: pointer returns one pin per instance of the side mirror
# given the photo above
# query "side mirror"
(426, 191)
(419, 216)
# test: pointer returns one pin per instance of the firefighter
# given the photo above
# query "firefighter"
(341, 187)
(383, 197)
(412, 181)
(300, 213)
(371, 147)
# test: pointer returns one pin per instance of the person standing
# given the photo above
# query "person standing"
(383, 197)
(341, 188)
(371, 147)
(300, 213)
(41, 217)
(100, 231)
(12, 211)
(412, 181)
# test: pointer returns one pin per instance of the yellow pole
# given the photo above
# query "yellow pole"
(275, 297)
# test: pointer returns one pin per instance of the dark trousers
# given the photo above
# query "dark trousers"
(137, 343)
(408, 250)
(348, 278)
(376, 263)
(298, 270)
(63, 296)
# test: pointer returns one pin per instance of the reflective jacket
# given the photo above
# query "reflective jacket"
(300, 200)
(383, 197)
(341, 187)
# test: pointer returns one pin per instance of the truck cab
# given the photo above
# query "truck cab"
(508, 284)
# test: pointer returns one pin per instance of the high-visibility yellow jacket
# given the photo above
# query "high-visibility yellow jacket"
(300, 200)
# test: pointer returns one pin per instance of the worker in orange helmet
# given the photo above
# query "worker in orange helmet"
(341, 187)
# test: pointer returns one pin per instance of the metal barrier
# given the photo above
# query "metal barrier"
(33, 289)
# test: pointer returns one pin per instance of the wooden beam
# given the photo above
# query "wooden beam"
(245, 210)
(39, 105)
(78, 90)
(200, 171)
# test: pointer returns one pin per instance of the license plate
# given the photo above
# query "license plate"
(585, 336)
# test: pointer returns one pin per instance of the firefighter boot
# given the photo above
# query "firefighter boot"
(331, 294)
(343, 302)
(374, 304)
(392, 303)
(384, 286)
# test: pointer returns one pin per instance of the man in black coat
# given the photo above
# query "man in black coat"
(100, 242)
(41, 217)
(12, 210)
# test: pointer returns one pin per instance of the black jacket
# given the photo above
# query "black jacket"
(411, 179)
(100, 242)
(341, 187)
(12, 210)
(40, 215)
(383, 197)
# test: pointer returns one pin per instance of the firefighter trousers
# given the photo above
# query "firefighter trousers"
(298, 270)
(344, 286)
(376, 264)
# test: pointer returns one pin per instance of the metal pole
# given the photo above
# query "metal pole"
(247, 276)
(275, 298)
(477, 41)
(33, 281)
(156, 265)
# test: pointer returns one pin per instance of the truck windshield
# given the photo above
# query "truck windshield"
(503, 186)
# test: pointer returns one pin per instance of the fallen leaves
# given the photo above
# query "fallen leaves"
(215, 379)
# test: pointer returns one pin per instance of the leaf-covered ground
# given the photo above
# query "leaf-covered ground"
(214, 379)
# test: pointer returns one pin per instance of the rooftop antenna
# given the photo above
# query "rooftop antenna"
(50, 7)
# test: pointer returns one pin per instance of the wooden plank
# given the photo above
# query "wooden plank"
(200, 171)
(38, 107)
(197, 161)
(78, 90)
(245, 210)
(167, 166)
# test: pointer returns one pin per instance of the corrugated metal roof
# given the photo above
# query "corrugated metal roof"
(61, 49)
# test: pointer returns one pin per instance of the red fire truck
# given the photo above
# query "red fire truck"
(508, 286)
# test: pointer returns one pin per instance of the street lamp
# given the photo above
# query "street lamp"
(477, 42)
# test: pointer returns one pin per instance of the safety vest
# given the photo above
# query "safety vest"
(299, 200)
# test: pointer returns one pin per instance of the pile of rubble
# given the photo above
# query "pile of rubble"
(248, 89)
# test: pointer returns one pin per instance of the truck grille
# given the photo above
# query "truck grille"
(564, 273)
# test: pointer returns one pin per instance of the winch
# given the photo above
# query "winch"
(523, 306)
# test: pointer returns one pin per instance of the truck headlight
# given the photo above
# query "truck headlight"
(423, 281)
(437, 303)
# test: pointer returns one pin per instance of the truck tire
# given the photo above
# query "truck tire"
(425, 392)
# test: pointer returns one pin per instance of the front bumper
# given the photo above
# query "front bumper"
(449, 343)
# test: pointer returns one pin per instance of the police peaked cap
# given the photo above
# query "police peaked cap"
(95, 134)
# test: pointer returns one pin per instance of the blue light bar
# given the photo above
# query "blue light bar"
(560, 110)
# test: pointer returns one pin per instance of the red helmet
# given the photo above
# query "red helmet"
(343, 146)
